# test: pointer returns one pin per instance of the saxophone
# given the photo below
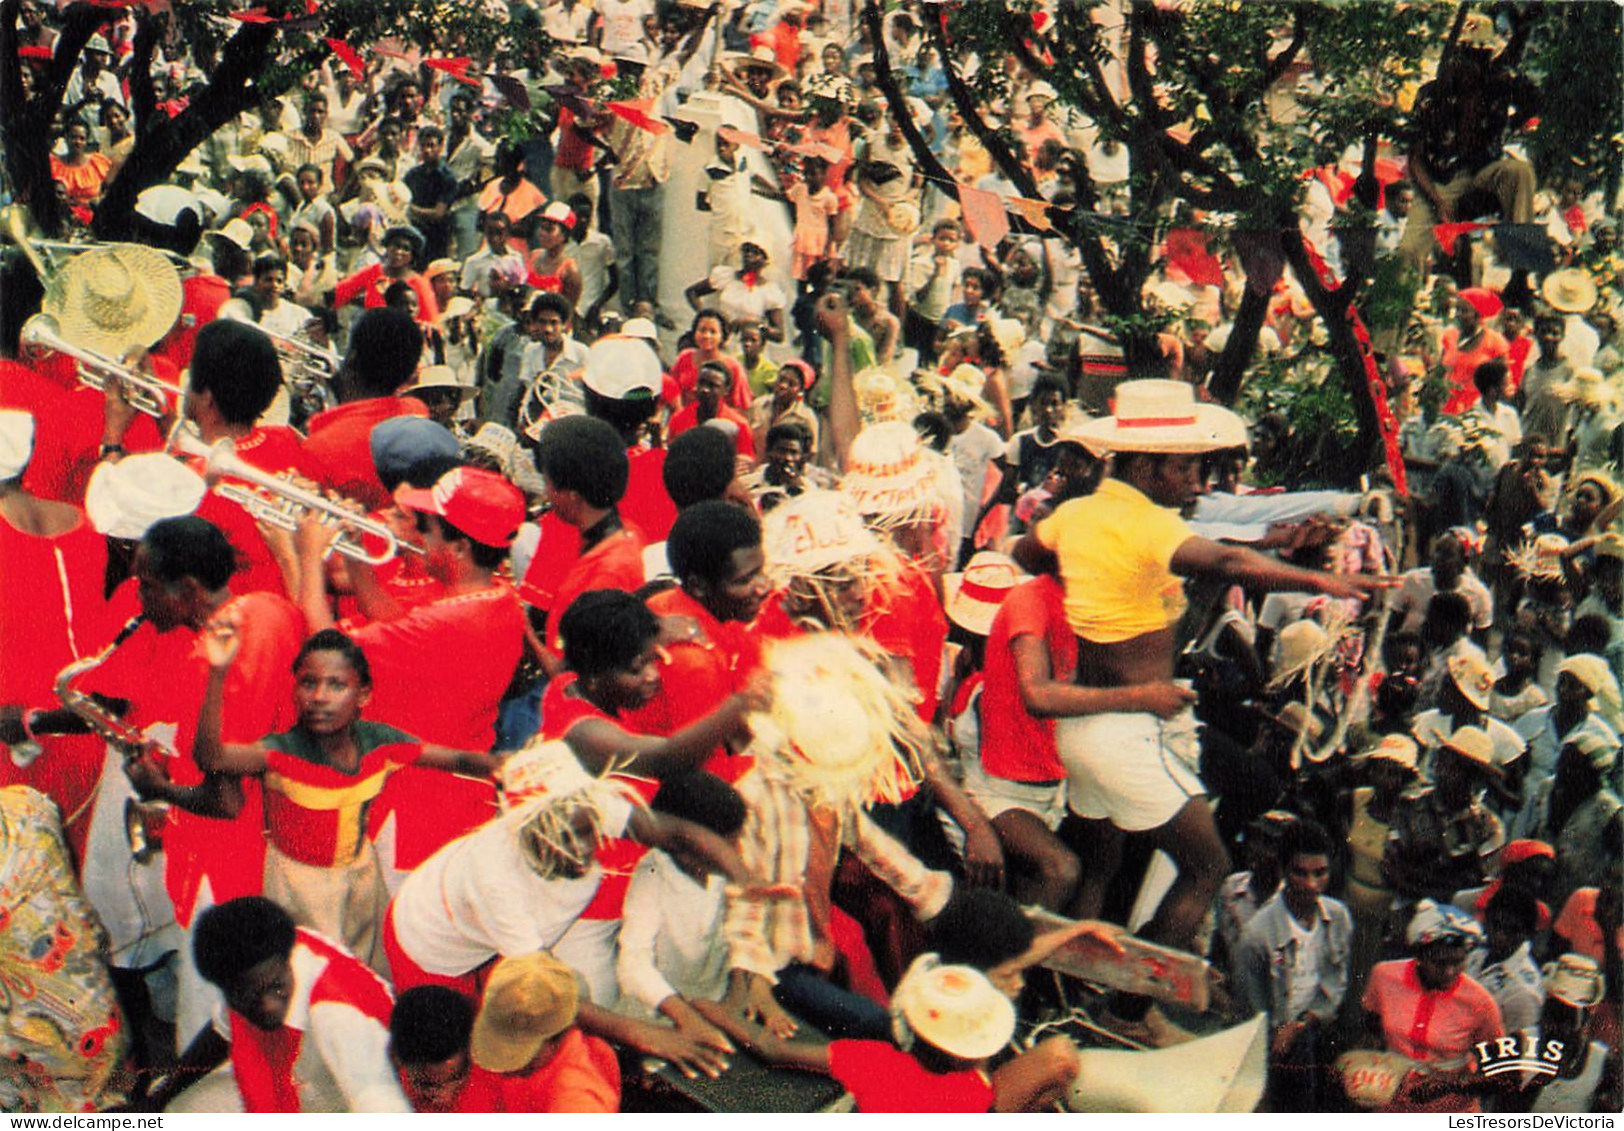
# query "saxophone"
(143, 820)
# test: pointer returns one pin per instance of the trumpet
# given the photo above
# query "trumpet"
(143, 820)
(307, 368)
(283, 504)
(41, 335)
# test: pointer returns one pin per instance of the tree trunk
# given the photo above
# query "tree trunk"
(1230, 368)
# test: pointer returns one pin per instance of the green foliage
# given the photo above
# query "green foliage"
(1306, 389)
(1574, 55)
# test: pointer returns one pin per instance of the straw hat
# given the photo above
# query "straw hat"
(1156, 415)
(1575, 979)
(1472, 675)
(1396, 748)
(887, 477)
(441, 377)
(1571, 290)
(460, 306)
(1540, 559)
(1303, 644)
(762, 58)
(529, 1000)
(113, 297)
(1009, 334)
(974, 596)
(840, 731)
(955, 1008)
(1597, 745)
(545, 794)
(1473, 744)
(813, 532)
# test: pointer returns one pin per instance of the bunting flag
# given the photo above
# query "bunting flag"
(1187, 250)
(1447, 234)
(637, 113)
(513, 90)
(350, 57)
(570, 98)
(740, 137)
(455, 68)
(1525, 247)
(984, 216)
(1034, 212)
(1261, 259)
(34, 52)
(1386, 422)
(685, 130)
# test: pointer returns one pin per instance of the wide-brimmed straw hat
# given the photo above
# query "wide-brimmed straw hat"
(1161, 416)
(1575, 979)
(840, 731)
(762, 58)
(813, 532)
(972, 598)
(1398, 749)
(887, 476)
(1570, 290)
(1474, 745)
(114, 297)
(955, 1008)
(1472, 675)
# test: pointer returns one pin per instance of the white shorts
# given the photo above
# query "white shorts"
(997, 796)
(1135, 770)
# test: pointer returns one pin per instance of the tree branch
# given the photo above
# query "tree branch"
(1278, 66)
(898, 106)
(965, 102)
(143, 98)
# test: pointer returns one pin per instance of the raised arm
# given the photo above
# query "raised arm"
(1199, 557)
(221, 643)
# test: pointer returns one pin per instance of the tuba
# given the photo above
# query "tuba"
(147, 394)
(143, 820)
(276, 502)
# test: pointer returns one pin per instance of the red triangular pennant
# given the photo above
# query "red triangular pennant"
(637, 113)
(983, 215)
(1187, 251)
(349, 57)
(1448, 233)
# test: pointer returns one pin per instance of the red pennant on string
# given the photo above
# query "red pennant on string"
(349, 57)
(1448, 233)
(741, 137)
(1187, 251)
(513, 90)
(637, 113)
(983, 215)
(1034, 212)
(456, 68)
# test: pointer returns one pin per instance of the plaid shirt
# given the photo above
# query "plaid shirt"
(766, 935)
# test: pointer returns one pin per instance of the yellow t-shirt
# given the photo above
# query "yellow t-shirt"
(1115, 548)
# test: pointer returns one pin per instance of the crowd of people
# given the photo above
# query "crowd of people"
(441, 673)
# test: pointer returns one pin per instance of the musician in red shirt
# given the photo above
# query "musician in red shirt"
(385, 347)
(584, 464)
(469, 641)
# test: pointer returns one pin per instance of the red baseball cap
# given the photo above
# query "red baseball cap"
(481, 504)
(1519, 850)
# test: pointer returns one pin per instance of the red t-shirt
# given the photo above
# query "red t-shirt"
(883, 1078)
(53, 614)
(370, 282)
(743, 442)
(646, 504)
(202, 296)
(1518, 351)
(340, 443)
(164, 676)
(439, 673)
(614, 563)
(1462, 392)
(582, 1075)
(696, 677)
(561, 709)
(685, 372)
(905, 618)
(1016, 745)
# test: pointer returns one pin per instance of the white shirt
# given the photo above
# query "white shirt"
(671, 935)
(478, 898)
(1305, 967)
(972, 450)
(1514, 983)
(1419, 588)
(594, 255)
(622, 22)
(343, 1062)
(738, 302)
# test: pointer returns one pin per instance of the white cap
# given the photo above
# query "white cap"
(619, 367)
(124, 499)
(16, 442)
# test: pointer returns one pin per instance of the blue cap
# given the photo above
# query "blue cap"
(402, 441)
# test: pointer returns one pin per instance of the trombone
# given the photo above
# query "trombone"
(283, 505)
(41, 335)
